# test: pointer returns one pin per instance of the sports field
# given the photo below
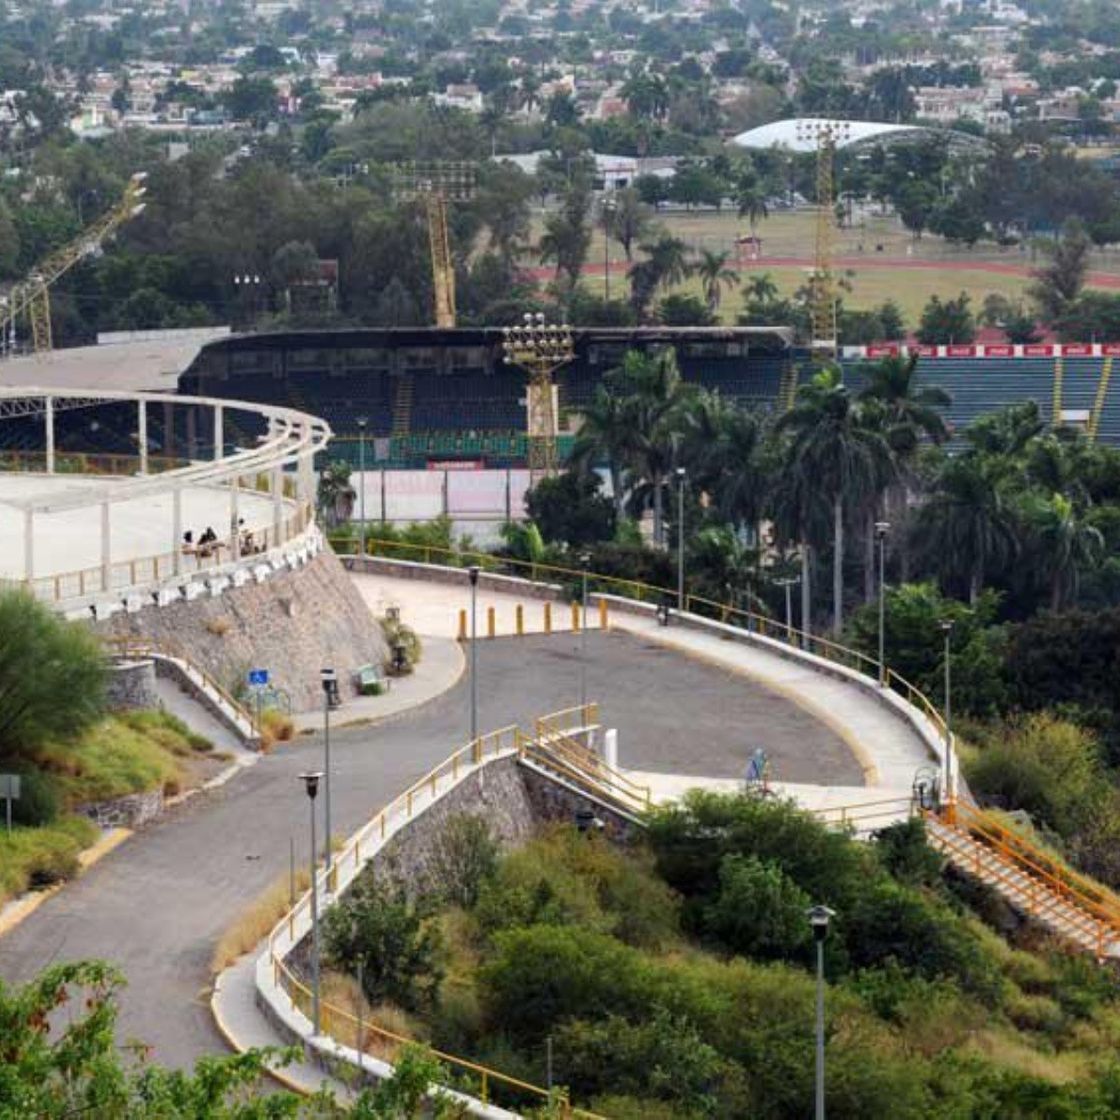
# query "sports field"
(876, 255)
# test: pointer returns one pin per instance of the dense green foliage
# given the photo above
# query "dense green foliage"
(674, 978)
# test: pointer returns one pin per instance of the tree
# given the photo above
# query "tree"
(626, 220)
(567, 235)
(251, 98)
(832, 449)
(570, 509)
(9, 244)
(386, 934)
(1061, 544)
(967, 525)
(715, 275)
(677, 310)
(52, 675)
(1059, 283)
(751, 201)
(950, 321)
(605, 435)
(293, 263)
(759, 911)
(336, 495)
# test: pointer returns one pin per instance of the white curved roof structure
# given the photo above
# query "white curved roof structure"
(799, 134)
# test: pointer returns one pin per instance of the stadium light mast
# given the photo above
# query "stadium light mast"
(826, 136)
(539, 348)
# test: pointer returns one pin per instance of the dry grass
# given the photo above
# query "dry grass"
(255, 922)
(219, 627)
(1004, 1048)
(341, 991)
(276, 727)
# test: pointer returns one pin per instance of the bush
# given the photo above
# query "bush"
(52, 675)
(904, 853)
(466, 854)
(39, 798)
(275, 727)
(1046, 766)
(391, 938)
(396, 633)
(570, 509)
(758, 911)
(32, 858)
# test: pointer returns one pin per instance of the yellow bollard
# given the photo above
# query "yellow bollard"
(489, 622)
(519, 617)
(548, 618)
(575, 618)
(463, 625)
(603, 614)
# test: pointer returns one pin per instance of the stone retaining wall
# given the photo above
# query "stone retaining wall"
(131, 684)
(292, 624)
(130, 811)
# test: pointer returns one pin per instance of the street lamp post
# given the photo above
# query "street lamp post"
(882, 528)
(362, 421)
(330, 682)
(947, 630)
(819, 918)
(681, 475)
(584, 562)
(310, 780)
(472, 571)
(787, 584)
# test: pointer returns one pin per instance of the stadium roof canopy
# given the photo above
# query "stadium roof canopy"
(799, 134)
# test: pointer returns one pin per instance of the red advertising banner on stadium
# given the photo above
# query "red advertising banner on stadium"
(999, 351)
(1077, 350)
(1112, 349)
(960, 351)
(1038, 350)
(889, 350)
(924, 351)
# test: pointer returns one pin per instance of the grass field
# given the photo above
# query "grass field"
(932, 266)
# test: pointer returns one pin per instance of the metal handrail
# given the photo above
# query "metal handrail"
(645, 592)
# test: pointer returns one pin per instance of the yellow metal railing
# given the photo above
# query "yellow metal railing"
(860, 812)
(481, 1080)
(646, 592)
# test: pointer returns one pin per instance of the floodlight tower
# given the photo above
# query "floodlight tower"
(437, 183)
(540, 349)
(826, 136)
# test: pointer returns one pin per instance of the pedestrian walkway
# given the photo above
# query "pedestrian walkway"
(888, 747)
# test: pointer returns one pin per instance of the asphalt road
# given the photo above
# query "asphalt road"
(159, 903)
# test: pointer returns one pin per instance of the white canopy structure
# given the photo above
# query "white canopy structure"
(800, 134)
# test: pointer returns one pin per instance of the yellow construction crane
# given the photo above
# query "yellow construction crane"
(31, 297)
(540, 349)
(437, 183)
(825, 135)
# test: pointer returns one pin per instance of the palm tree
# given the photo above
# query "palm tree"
(336, 495)
(657, 396)
(752, 205)
(606, 434)
(666, 265)
(833, 449)
(715, 276)
(760, 289)
(968, 524)
(1062, 544)
(906, 415)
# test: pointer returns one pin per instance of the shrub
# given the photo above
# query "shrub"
(396, 633)
(391, 938)
(466, 854)
(275, 727)
(758, 911)
(52, 675)
(39, 857)
(1049, 767)
(904, 853)
(39, 798)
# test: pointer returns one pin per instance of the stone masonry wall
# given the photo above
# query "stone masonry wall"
(131, 684)
(292, 624)
(130, 811)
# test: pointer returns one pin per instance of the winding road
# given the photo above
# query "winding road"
(158, 904)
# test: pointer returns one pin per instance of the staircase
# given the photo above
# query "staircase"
(402, 405)
(1071, 906)
(1098, 402)
(1059, 374)
(787, 388)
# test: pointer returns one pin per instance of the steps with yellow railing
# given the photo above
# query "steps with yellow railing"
(1098, 401)
(1071, 906)
(1059, 377)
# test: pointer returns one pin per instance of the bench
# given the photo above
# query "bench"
(371, 681)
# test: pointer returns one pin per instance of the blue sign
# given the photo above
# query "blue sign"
(258, 678)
